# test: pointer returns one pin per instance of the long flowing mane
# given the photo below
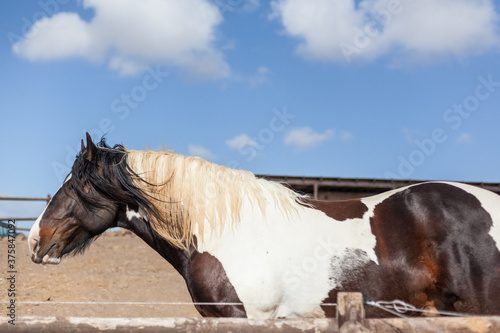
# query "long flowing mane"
(179, 195)
(189, 192)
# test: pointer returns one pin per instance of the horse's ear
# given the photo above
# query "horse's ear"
(91, 149)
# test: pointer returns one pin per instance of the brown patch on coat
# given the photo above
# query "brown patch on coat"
(340, 210)
(207, 282)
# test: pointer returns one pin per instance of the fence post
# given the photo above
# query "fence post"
(350, 312)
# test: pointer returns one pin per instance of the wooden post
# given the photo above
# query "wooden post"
(315, 191)
(350, 312)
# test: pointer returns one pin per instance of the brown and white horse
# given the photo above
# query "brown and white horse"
(271, 252)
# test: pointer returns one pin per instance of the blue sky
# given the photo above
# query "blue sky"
(368, 89)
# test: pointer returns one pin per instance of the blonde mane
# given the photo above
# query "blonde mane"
(189, 191)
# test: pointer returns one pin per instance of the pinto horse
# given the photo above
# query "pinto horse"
(260, 250)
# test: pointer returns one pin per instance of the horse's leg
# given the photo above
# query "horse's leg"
(208, 283)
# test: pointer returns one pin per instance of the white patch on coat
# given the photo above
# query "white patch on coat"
(132, 213)
(281, 266)
(34, 234)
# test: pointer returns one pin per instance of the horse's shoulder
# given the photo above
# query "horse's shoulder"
(207, 282)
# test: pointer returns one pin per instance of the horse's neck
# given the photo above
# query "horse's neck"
(178, 258)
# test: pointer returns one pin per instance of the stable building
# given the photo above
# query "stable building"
(323, 188)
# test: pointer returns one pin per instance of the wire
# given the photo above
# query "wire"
(398, 307)
(146, 303)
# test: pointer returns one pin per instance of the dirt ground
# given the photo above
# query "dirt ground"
(119, 267)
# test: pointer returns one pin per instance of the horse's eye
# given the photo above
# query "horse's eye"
(71, 187)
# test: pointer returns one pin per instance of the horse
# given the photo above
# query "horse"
(249, 247)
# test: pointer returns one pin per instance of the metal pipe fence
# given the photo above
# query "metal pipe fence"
(4, 225)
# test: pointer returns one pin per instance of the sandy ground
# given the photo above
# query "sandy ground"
(118, 267)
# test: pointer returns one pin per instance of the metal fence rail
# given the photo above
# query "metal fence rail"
(47, 198)
(4, 225)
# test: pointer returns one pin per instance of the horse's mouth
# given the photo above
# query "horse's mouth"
(47, 258)
(51, 260)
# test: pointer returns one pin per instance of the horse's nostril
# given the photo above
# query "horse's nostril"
(33, 243)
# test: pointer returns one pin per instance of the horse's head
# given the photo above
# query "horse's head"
(85, 206)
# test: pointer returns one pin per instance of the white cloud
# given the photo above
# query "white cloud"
(413, 134)
(200, 151)
(63, 35)
(251, 5)
(130, 35)
(238, 6)
(241, 141)
(261, 76)
(306, 137)
(463, 138)
(414, 30)
(346, 136)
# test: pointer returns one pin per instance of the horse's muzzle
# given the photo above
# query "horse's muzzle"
(46, 259)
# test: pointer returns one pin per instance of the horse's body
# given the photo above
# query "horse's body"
(271, 253)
